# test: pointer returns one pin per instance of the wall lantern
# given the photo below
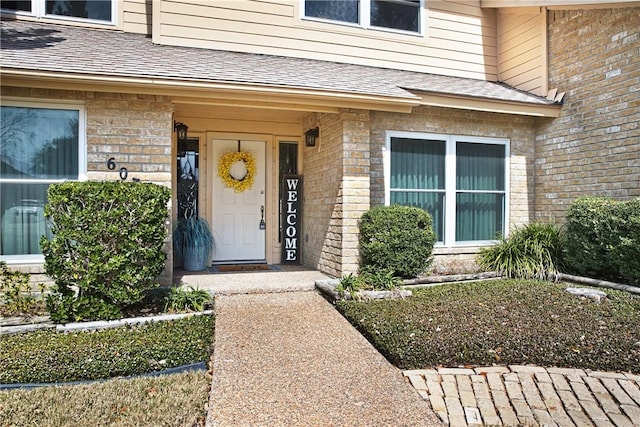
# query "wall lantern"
(181, 130)
(311, 136)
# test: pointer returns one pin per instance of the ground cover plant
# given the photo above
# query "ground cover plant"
(17, 298)
(502, 322)
(47, 356)
(176, 400)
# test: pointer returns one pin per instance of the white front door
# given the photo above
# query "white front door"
(237, 217)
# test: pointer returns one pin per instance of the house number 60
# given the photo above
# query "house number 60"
(111, 165)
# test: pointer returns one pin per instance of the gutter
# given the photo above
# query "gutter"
(491, 105)
(254, 95)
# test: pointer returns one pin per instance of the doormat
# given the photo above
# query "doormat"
(228, 268)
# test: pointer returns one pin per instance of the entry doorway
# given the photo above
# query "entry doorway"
(239, 217)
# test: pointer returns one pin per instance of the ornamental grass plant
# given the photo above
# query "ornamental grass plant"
(193, 242)
(532, 251)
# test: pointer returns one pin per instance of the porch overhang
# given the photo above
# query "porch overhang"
(488, 105)
(212, 93)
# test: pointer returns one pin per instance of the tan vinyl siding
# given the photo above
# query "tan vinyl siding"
(459, 37)
(521, 45)
(137, 16)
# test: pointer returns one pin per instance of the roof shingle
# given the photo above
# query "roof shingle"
(33, 46)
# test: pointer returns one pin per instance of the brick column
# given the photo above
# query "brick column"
(336, 190)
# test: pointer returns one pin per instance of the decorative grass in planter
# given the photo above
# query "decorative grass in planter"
(193, 242)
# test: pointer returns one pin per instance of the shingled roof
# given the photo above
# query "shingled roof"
(32, 46)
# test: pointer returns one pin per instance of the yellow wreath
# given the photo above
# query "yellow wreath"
(224, 170)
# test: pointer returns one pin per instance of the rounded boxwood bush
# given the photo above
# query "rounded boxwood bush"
(397, 239)
(107, 246)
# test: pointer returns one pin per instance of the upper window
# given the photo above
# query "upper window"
(41, 144)
(100, 11)
(403, 15)
(461, 181)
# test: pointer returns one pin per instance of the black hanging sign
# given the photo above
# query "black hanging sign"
(291, 216)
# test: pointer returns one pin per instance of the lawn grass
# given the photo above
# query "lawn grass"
(502, 322)
(171, 400)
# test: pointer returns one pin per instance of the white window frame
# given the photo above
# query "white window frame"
(449, 216)
(82, 159)
(39, 10)
(364, 19)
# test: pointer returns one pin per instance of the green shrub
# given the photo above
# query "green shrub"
(626, 254)
(603, 238)
(532, 251)
(382, 280)
(190, 299)
(350, 284)
(396, 239)
(107, 246)
(47, 356)
(16, 298)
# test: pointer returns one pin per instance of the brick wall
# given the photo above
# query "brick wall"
(593, 148)
(336, 190)
(344, 176)
(356, 184)
(519, 130)
(136, 130)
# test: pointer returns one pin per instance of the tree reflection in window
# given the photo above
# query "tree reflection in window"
(338, 10)
(90, 9)
(38, 146)
(396, 14)
(188, 169)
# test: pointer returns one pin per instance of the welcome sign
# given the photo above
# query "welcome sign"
(291, 215)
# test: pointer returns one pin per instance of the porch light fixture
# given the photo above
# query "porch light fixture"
(311, 136)
(181, 129)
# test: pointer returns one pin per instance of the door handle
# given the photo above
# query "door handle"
(263, 225)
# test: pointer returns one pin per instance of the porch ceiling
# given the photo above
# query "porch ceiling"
(44, 55)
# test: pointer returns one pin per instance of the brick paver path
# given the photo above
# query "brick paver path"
(529, 396)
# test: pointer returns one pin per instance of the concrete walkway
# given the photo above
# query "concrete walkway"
(285, 357)
(290, 359)
(530, 396)
(286, 279)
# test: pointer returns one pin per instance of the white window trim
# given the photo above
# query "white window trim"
(82, 158)
(365, 19)
(450, 179)
(39, 10)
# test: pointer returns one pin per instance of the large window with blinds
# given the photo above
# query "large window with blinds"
(40, 144)
(461, 181)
